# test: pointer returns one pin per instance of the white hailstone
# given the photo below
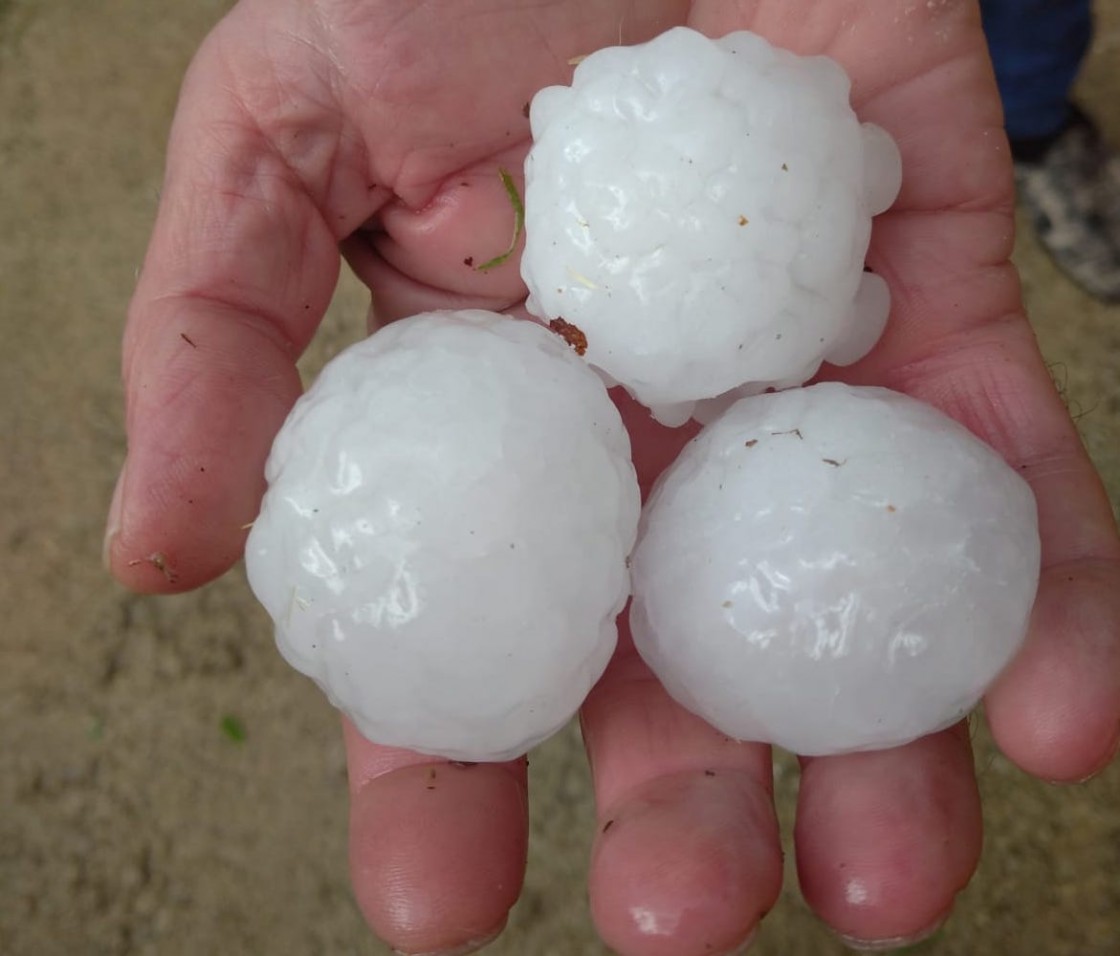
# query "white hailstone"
(443, 542)
(832, 569)
(700, 209)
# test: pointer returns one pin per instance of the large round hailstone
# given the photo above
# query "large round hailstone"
(443, 542)
(832, 569)
(700, 209)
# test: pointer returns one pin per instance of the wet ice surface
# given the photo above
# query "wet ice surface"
(833, 569)
(443, 543)
(701, 209)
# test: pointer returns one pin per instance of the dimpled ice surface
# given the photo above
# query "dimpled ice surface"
(833, 569)
(443, 542)
(700, 209)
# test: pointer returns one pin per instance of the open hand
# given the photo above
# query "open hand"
(377, 127)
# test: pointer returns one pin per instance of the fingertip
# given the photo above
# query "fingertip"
(891, 943)
(464, 949)
(438, 853)
(173, 535)
(156, 572)
(885, 840)
(147, 565)
(686, 865)
(1055, 712)
(153, 563)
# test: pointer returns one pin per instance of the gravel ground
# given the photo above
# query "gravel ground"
(132, 819)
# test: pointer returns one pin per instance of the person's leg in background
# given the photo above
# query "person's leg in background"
(1067, 178)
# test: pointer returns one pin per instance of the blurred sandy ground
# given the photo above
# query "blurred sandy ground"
(130, 822)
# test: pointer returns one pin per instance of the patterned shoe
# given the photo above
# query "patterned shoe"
(1071, 190)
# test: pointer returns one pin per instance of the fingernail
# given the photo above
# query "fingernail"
(469, 947)
(113, 522)
(1113, 750)
(888, 944)
(1088, 778)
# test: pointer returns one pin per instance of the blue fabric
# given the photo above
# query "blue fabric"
(1037, 47)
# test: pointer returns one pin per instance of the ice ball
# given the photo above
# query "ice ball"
(834, 569)
(443, 542)
(700, 209)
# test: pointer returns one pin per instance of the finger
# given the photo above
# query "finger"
(687, 858)
(460, 250)
(1056, 710)
(260, 183)
(437, 848)
(885, 840)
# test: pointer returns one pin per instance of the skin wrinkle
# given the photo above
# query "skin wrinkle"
(298, 145)
(952, 344)
(614, 808)
(870, 102)
(273, 326)
(269, 327)
(910, 340)
(352, 92)
(1051, 465)
(304, 128)
(989, 159)
(560, 63)
(973, 393)
(324, 25)
(982, 252)
(229, 200)
(913, 298)
(211, 284)
(980, 160)
(180, 384)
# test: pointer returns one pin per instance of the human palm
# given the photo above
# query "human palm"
(378, 127)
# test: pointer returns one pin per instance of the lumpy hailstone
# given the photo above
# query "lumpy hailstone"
(443, 542)
(701, 209)
(833, 569)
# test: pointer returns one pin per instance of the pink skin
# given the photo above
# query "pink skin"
(306, 126)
